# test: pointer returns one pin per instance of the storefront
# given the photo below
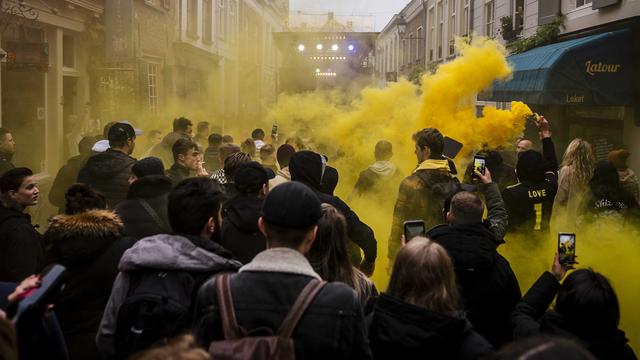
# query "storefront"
(587, 85)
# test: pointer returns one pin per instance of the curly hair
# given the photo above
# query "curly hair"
(580, 156)
(80, 198)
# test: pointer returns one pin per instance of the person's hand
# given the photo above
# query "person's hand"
(544, 129)
(486, 178)
(27, 284)
(558, 270)
(368, 268)
(200, 170)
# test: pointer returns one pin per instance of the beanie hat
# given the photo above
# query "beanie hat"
(530, 166)
(292, 205)
(148, 166)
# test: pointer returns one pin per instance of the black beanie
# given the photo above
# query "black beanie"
(148, 166)
(530, 167)
(291, 205)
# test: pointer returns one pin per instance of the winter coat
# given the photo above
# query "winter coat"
(414, 203)
(108, 173)
(67, 176)
(488, 285)
(177, 173)
(531, 317)
(5, 162)
(138, 221)
(400, 330)
(616, 204)
(630, 182)
(202, 258)
(212, 159)
(22, 251)
(89, 245)
(240, 233)
(263, 292)
(372, 180)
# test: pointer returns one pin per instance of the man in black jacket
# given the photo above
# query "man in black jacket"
(68, 173)
(240, 232)
(309, 168)
(109, 172)
(144, 212)
(489, 287)
(7, 148)
(186, 157)
(21, 251)
(263, 291)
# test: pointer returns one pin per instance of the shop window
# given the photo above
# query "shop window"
(152, 87)
(68, 51)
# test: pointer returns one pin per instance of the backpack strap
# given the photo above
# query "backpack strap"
(230, 327)
(306, 297)
(153, 214)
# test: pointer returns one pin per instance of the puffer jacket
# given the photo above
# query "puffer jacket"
(108, 173)
(200, 257)
(89, 245)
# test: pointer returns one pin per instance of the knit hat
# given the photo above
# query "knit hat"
(530, 166)
(619, 158)
(291, 205)
(148, 166)
(307, 167)
(250, 177)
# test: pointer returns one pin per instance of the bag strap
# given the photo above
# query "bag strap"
(307, 295)
(230, 326)
(153, 214)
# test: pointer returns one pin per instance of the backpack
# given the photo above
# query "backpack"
(438, 188)
(237, 345)
(157, 306)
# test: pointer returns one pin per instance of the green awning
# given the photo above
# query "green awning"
(593, 70)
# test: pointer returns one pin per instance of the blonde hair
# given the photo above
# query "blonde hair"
(183, 347)
(423, 275)
(580, 156)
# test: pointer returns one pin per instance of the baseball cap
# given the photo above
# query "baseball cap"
(137, 131)
(292, 205)
(148, 166)
(250, 177)
(121, 132)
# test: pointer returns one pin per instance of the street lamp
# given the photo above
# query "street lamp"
(401, 23)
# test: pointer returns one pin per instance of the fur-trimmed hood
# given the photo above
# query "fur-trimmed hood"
(82, 237)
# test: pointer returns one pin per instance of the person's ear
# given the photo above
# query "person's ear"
(449, 217)
(211, 225)
(261, 226)
(309, 240)
(265, 190)
(180, 158)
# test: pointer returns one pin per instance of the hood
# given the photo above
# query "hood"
(398, 322)
(108, 164)
(284, 172)
(173, 252)
(383, 168)
(603, 343)
(9, 213)
(306, 167)
(431, 164)
(243, 212)
(470, 246)
(149, 186)
(82, 237)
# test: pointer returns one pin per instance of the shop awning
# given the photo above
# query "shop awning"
(593, 70)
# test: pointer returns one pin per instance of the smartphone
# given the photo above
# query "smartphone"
(413, 228)
(479, 165)
(34, 303)
(567, 248)
(274, 130)
(451, 147)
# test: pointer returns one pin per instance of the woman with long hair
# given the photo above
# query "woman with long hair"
(329, 257)
(576, 170)
(420, 314)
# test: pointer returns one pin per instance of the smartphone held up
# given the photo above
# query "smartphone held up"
(479, 165)
(414, 228)
(567, 248)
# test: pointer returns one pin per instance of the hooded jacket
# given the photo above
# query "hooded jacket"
(138, 221)
(202, 258)
(89, 245)
(531, 317)
(307, 168)
(66, 177)
(377, 174)
(21, 253)
(282, 176)
(109, 174)
(240, 233)
(400, 330)
(5, 162)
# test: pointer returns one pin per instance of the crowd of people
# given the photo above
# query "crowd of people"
(205, 249)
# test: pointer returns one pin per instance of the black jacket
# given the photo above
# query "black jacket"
(21, 250)
(531, 317)
(5, 162)
(67, 176)
(530, 204)
(489, 287)
(89, 245)
(240, 232)
(138, 222)
(331, 328)
(178, 173)
(108, 173)
(400, 330)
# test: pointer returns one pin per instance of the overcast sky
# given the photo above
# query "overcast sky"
(379, 10)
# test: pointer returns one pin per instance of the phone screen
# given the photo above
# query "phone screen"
(413, 228)
(567, 248)
(479, 164)
(274, 129)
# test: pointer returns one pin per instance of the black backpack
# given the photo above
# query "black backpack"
(158, 306)
(438, 187)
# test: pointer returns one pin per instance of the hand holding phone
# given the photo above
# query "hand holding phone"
(413, 228)
(567, 248)
(479, 166)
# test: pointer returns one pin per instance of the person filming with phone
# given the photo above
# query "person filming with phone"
(489, 287)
